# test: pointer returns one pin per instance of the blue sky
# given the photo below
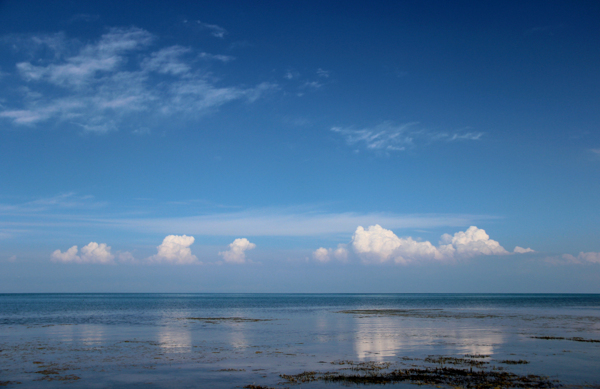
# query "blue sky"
(299, 146)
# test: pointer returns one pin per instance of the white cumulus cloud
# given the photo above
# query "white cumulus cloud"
(521, 250)
(582, 258)
(473, 241)
(126, 257)
(175, 249)
(91, 253)
(236, 252)
(325, 255)
(376, 244)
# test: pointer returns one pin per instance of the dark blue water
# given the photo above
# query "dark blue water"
(174, 341)
(147, 308)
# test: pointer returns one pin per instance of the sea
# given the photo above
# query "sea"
(299, 340)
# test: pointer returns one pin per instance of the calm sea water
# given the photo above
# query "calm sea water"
(234, 340)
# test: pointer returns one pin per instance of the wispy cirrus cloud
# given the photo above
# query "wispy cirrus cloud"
(85, 212)
(323, 73)
(99, 85)
(389, 137)
(215, 30)
(286, 222)
(385, 136)
(72, 210)
(216, 57)
(58, 203)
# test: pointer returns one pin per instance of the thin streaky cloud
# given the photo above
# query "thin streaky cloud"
(385, 136)
(312, 85)
(69, 210)
(168, 61)
(323, 73)
(466, 136)
(216, 31)
(388, 136)
(98, 86)
(271, 222)
(216, 57)
(291, 74)
(61, 202)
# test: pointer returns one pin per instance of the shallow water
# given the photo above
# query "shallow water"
(208, 340)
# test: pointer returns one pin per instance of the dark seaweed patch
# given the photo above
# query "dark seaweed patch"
(548, 337)
(513, 362)
(579, 339)
(476, 356)
(231, 369)
(362, 366)
(47, 371)
(426, 376)
(574, 339)
(307, 376)
(214, 320)
(70, 377)
(420, 313)
(454, 361)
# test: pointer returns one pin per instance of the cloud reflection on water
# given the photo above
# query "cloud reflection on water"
(88, 334)
(175, 339)
(379, 338)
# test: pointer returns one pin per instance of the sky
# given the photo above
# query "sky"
(300, 146)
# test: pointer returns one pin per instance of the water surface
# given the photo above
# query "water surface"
(234, 340)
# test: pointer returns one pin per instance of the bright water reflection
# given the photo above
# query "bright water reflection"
(175, 339)
(477, 342)
(377, 338)
(87, 334)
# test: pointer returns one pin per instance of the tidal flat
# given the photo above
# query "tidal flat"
(299, 341)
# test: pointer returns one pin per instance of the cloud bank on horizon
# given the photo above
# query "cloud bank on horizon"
(376, 244)
(371, 245)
